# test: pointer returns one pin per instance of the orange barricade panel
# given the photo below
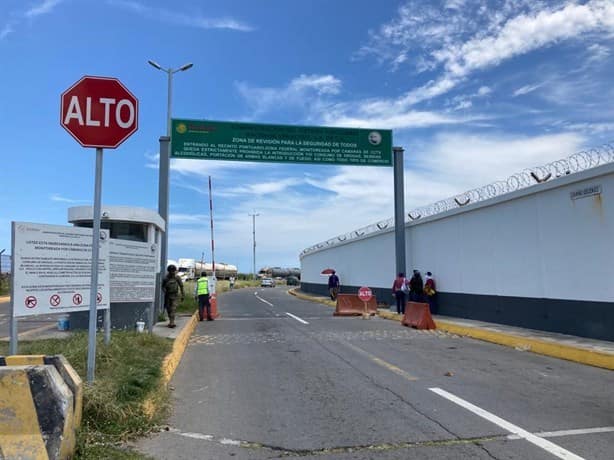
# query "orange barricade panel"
(351, 305)
(213, 302)
(418, 315)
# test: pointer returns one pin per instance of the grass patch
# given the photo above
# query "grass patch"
(127, 372)
(4, 284)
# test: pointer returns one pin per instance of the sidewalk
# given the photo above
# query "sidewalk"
(598, 353)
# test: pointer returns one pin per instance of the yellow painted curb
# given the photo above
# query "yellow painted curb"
(5, 298)
(542, 347)
(170, 363)
(539, 346)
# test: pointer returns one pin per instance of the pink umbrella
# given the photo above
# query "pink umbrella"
(327, 271)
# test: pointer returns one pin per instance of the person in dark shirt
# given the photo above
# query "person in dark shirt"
(416, 287)
(333, 285)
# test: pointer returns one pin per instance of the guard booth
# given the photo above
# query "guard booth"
(134, 262)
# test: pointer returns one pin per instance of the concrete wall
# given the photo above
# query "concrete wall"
(534, 257)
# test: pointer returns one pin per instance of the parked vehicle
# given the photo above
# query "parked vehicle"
(186, 269)
(267, 282)
(292, 281)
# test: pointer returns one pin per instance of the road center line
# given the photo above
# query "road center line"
(262, 300)
(548, 446)
(555, 434)
(297, 318)
(381, 362)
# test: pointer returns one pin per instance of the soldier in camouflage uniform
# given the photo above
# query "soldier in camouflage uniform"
(171, 285)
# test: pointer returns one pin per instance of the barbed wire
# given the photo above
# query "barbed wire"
(574, 163)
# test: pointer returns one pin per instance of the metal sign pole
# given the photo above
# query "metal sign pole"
(107, 325)
(91, 347)
(399, 209)
(14, 337)
(163, 196)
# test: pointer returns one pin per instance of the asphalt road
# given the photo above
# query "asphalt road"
(259, 383)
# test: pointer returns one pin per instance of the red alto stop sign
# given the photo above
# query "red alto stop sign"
(365, 294)
(99, 112)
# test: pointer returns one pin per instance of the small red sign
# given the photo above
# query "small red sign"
(55, 300)
(30, 301)
(365, 294)
(77, 299)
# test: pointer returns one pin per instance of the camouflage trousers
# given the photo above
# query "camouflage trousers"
(170, 305)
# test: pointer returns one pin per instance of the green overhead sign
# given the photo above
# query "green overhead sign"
(235, 141)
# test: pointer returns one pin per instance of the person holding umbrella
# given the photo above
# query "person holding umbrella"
(333, 285)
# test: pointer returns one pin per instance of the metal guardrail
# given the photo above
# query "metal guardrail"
(580, 161)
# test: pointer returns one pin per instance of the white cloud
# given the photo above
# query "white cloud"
(176, 17)
(42, 8)
(526, 89)
(484, 91)
(36, 10)
(265, 188)
(598, 53)
(389, 119)
(61, 199)
(304, 91)
(463, 41)
(322, 84)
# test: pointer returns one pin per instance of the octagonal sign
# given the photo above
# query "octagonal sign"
(99, 112)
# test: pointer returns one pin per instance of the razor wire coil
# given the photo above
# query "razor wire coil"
(577, 162)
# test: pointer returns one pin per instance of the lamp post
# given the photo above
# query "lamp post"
(163, 177)
(254, 215)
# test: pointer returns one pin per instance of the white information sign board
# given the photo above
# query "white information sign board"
(133, 271)
(53, 267)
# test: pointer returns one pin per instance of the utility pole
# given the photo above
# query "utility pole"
(254, 215)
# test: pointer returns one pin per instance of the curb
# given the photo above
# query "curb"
(295, 292)
(171, 361)
(540, 347)
(5, 298)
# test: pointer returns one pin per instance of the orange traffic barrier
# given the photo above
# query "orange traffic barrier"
(418, 315)
(213, 302)
(351, 305)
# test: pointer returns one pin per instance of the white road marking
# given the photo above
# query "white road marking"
(207, 437)
(548, 446)
(262, 300)
(300, 320)
(555, 434)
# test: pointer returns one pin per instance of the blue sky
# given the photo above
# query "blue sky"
(473, 90)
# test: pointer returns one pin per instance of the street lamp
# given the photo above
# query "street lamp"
(169, 72)
(163, 177)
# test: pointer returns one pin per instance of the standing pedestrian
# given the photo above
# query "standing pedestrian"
(171, 286)
(416, 287)
(231, 281)
(431, 292)
(399, 291)
(201, 292)
(333, 285)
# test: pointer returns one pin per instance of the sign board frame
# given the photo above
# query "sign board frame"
(238, 141)
(46, 261)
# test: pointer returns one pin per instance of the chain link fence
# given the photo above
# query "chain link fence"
(580, 161)
(5, 269)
